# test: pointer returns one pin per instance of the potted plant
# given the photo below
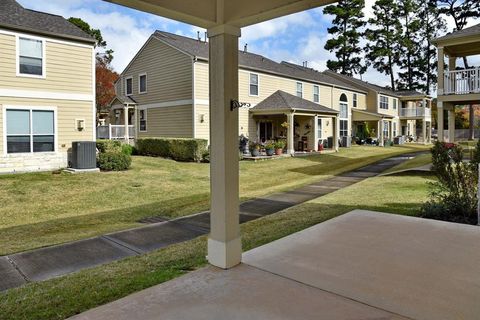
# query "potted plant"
(270, 148)
(279, 145)
(254, 148)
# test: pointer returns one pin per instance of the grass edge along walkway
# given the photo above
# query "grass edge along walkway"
(66, 296)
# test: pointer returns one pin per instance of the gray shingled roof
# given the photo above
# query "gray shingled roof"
(281, 100)
(252, 61)
(474, 30)
(364, 84)
(14, 16)
(123, 99)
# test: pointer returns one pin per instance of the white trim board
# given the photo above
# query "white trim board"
(46, 38)
(15, 93)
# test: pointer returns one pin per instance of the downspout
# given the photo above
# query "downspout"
(194, 109)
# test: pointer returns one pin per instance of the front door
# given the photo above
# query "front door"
(266, 131)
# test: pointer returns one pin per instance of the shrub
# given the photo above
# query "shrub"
(127, 149)
(113, 161)
(454, 196)
(175, 148)
(109, 146)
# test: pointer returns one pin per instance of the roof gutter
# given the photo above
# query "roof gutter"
(48, 33)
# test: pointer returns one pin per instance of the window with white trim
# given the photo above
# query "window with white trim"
(319, 128)
(384, 102)
(394, 129)
(316, 94)
(355, 100)
(128, 86)
(30, 57)
(343, 128)
(142, 83)
(343, 116)
(30, 130)
(386, 130)
(394, 104)
(142, 115)
(300, 89)
(253, 84)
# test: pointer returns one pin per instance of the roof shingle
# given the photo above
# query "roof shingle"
(473, 30)
(14, 16)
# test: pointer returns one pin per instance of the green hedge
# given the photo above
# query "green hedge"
(175, 148)
(114, 161)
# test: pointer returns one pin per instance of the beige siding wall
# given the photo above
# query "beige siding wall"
(67, 114)
(201, 81)
(169, 74)
(391, 111)
(68, 68)
(174, 122)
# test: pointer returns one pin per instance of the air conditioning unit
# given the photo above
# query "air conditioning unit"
(84, 155)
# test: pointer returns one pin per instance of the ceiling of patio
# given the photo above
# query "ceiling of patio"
(209, 13)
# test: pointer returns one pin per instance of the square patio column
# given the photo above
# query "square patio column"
(440, 128)
(440, 67)
(380, 133)
(336, 132)
(424, 130)
(451, 124)
(224, 244)
(290, 133)
(315, 133)
(125, 119)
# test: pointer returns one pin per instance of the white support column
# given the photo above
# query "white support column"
(125, 119)
(429, 132)
(440, 128)
(315, 133)
(441, 73)
(224, 243)
(290, 132)
(336, 132)
(380, 133)
(451, 124)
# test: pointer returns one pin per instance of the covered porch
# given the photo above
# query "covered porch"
(304, 125)
(121, 124)
(381, 126)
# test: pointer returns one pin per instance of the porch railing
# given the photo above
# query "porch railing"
(416, 112)
(115, 132)
(462, 81)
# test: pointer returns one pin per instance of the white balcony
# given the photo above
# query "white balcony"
(416, 112)
(462, 81)
(115, 132)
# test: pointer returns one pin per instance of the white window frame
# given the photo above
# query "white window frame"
(318, 93)
(395, 104)
(343, 119)
(17, 59)
(146, 83)
(394, 129)
(296, 88)
(31, 109)
(145, 113)
(250, 84)
(319, 128)
(386, 129)
(126, 79)
(380, 102)
(355, 100)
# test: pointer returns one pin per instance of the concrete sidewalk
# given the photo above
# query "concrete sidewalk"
(361, 265)
(46, 263)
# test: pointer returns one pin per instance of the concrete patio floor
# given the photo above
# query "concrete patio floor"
(362, 265)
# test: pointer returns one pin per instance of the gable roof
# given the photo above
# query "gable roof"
(473, 30)
(363, 84)
(199, 49)
(281, 100)
(14, 16)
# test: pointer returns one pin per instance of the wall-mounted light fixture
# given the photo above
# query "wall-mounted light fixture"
(80, 124)
(202, 118)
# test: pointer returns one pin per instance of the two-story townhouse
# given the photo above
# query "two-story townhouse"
(391, 113)
(167, 84)
(47, 88)
(457, 86)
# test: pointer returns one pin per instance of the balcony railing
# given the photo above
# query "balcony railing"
(462, 81)
(115, 132)
(415, 112)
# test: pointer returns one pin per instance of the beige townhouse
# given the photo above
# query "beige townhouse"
(457, 86)
(392, 114)
(166, 87)
(47, 88)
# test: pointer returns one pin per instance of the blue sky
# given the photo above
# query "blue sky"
(295, 38)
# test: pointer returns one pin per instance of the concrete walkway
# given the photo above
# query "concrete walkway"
(49, 262)
(362, 265)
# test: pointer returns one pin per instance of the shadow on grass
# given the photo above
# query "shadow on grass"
(36, 235)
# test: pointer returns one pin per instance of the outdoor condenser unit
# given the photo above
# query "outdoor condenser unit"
(84, 155)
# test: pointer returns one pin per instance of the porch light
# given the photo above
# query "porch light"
(80, 125)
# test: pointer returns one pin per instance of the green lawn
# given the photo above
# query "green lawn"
(418, 161)
(63, 297)
(42, 209)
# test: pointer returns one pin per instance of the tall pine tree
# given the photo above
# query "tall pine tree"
(408, 48)
(431, 27)
(346, 29)
(383, 37)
